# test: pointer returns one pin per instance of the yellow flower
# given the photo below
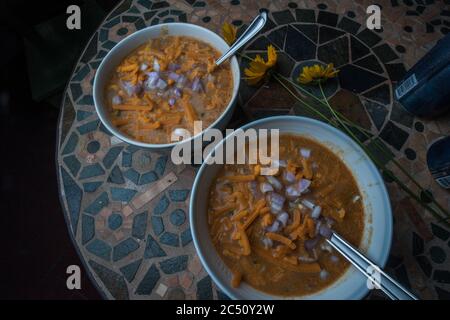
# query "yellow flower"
(258, 67)
(317, 74)
(229, 33)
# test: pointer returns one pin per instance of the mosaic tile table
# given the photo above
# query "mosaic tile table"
(127, 208)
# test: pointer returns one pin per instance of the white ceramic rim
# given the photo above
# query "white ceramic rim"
(360, 292)
(98, 92)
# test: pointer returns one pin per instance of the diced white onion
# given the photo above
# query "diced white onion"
(315, 214)
(152, 80)
(310, 244)
(268, 243)
(274, 181)
(318, 224)
(308, 204)
(305, 153)
(265, 187)
(275, 208)
(276, 202)
(295, 190)
(324, 274)
(304, 185)
(131, 88)
(181, 81)
(275, 227)
(292, 192)
(173, 76)
(325, 231)
(306, 259)
(196, 85)
(177, 92)
(117, 100)
(156, 65)
(283, 217)
(288, 176)
(334, 259)
(161, 84)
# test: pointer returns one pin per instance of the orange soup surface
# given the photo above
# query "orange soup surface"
(167, 84)
(269, 229)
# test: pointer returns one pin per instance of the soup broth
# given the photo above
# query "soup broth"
(267, 229)
(166, 85)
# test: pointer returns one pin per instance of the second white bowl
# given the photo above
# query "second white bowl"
(133, 41)
(377, 234)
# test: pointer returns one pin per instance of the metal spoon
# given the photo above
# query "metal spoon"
(255, 26)
(378, 277)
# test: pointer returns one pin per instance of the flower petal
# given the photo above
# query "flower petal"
(258, 66)
(229, 33)
(271, 56)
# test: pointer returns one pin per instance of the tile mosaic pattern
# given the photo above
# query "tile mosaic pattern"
(127, 208)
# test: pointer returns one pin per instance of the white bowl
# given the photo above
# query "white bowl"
(377, 234)
(133, 41)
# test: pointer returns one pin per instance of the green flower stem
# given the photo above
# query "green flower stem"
(393, 177)
(377, 144)
(344, 122)
(361, 129)
(322, 102)
(400, 184)
(311, 108)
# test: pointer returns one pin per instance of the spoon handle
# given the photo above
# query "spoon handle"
(377, 277)
(254, 27)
